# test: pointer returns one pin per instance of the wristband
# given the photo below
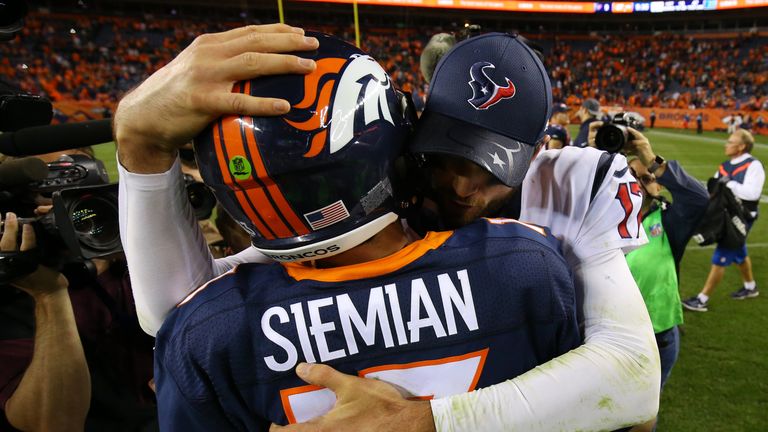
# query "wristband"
(656, 164)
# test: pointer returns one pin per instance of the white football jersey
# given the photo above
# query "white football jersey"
(588, 198)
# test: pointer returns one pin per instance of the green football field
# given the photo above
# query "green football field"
(720, 382)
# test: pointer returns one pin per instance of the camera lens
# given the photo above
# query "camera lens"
(202, 200)
(96, 222)
(611, 137)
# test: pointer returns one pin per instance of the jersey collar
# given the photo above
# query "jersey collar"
(740, 158)
(369, 269)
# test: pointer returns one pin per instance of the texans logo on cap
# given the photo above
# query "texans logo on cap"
(485, 92)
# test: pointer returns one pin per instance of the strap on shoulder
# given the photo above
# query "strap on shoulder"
(603, 165)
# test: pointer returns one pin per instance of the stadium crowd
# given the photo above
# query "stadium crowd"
(90, 58)
(671, 71)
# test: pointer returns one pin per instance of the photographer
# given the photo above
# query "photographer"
(669, 226)
(44, 382)
(102, 322)
(587, 114)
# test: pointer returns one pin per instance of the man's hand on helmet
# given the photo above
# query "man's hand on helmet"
(178, 101)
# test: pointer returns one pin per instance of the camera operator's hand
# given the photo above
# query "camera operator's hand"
(178, 101)
(638, 145)
(44, 280)
(55, 391)
(593, 127)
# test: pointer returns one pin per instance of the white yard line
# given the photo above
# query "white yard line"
(710, 247)
(698, 138)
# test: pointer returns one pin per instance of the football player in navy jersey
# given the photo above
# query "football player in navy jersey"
(569, 393)
(437, 316)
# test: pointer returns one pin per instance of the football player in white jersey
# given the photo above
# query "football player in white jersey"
(610, 381)
(591, 201)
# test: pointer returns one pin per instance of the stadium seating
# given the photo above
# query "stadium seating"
(98, 58)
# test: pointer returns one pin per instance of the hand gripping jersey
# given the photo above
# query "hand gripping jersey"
(588, 198)
(448, 314)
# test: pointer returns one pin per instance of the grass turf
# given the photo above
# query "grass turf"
(720, 382)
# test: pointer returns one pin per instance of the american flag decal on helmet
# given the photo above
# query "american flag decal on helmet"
(327, 215)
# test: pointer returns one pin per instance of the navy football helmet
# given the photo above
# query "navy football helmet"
(317, 181)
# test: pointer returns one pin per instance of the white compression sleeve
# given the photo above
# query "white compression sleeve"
(610, 381)
(166, 252)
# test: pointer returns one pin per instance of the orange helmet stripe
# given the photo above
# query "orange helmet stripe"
(245, 204)
(233, 141)
(274, 191)
(272, 205)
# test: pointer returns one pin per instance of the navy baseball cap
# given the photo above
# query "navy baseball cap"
(559, 108)
(489, 102)
(592, 106)
(557, 132)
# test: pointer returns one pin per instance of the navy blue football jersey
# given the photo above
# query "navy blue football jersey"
(448, 314)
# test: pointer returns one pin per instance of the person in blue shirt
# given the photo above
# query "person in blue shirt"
(588, 112)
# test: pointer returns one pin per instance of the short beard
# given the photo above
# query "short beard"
(491, 210)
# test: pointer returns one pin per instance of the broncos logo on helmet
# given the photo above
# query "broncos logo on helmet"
(485, 92)
(360, 82)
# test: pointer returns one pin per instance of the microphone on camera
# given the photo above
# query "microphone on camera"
(18, 172)
(52, 138)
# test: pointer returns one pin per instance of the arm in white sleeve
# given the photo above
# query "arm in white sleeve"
(752, 187)
(611, 381)
(166, 251)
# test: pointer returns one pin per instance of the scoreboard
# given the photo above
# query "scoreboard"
(617, 7)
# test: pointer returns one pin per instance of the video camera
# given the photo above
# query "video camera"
(84, 217)
(85, 204)
(613, 134)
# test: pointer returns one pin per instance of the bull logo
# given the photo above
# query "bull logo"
(347, 84)
(485, 92)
